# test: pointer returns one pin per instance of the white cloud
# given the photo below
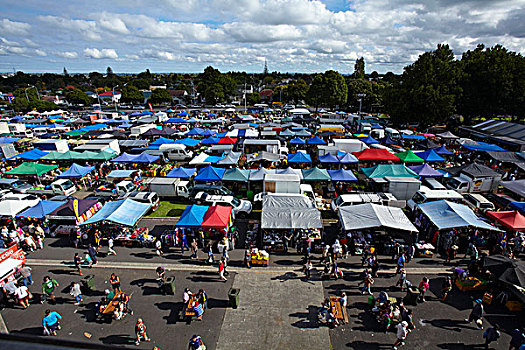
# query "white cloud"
(40, 53)
(104, 53)
(67, 54)
(13, 27)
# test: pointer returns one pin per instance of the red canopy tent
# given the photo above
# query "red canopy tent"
(512, 220)
(227, 141)
(218, 217)
(376, 154)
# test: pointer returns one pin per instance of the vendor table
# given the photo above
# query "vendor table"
(113, 304)
(260, 258)
(188, 311)
(340, 310)
(424, 250)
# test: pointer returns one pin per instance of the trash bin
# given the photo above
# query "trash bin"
(233, 296)
(88, 283)
(412, 296)
(168, 286)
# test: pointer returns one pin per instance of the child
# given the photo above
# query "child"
(89, 260)
(40, 242)
(402, 279)
(76, 293)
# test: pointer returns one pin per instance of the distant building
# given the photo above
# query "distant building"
(178, 96)
(111, 96)
(154, 87)
(266, 94)
(91, 94)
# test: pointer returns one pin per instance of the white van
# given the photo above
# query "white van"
(176, 151)
(393, 133)
(425, 195)
(23, 134)
(477, 201)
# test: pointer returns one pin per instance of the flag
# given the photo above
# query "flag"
(150, 107)
(75, 207)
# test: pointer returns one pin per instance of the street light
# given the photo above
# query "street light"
(114, 99)
(361, 96)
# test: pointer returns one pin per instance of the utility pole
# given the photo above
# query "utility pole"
(361, 96)
(245, 97)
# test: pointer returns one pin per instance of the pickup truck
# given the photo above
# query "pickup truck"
(60, 187)
(120, 190)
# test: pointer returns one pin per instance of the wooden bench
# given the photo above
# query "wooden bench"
(340, 311)
(188, 311)
(113, 304)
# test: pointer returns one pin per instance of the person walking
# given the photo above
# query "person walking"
(76, 292)
(518, 339)
(307, 268)
(400, 263)
(9, 289)
(446, 287)
(196, 343)
(248, 258)
(402, 281)
(111, 244)
(222, 268)
(115, 283)
(48, 287)
(492, 334)
(78, 261)
(92, 254)
(368, 281)
(50, 321)
(22, 294)
(184, 242)
(140, 332)
(158, 247)
(194, 249)
(402, 332)
(25, 271)
(476, 314)
(423, 287)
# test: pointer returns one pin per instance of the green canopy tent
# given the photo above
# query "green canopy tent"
(74, 133)
(236, 175)
(31, 169)
(65, 156)
(103, 155)
(409, 156)
(316, 174)
(392, 170)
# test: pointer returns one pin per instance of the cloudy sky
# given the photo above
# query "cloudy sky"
(292, 35)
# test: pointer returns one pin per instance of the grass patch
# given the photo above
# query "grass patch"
(168, 209)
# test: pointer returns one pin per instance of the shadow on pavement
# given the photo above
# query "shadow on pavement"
(218, 303)
(31, 330)
(174, 308)
(360, 345)
(118, 339)
(307, 319)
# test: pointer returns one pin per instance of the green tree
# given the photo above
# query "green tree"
(215, 86)
(359, 68)
(160, 96)
(130, 94)
(297, 90)
(314, 95)
(109, 71)
(427, 90)
(253, 98)
(77, 96)
(328, 89)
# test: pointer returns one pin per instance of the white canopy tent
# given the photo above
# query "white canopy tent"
(289, 211)
(369, 215)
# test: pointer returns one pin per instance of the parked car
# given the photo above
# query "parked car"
(241, 207)
(145, 197)
(501, 201)
(210, 189)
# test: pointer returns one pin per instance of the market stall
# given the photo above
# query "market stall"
(11, 259)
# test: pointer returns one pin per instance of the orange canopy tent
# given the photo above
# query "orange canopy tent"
(512, 220)
(218, 217)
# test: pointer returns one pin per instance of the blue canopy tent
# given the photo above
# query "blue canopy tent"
(369, 140)
(316, 140)
(33, 154)
(126, 212)
(346, 158)
(210, 141)
(425, 170)
(124, 158)
(192, 216)
(442, 151)
(76, 171)
(413, 137)
(210, 173)
(7, 139)
(328, 158)
(161, 141)
(183, 114)
(484, 147)
(92, 127)
(188, 142)
(177, 120)
(208, 132)
(145, 158)
(430, 156)
(297, 141)
(212, 115)
(299, 157)
(146, 113)
(519, 206)
(170, 111)
(376, 126)
(41, 209)
(342, 175)
(182, 173)
(212, 159)
(205, 110)
(221, 135)
(447, 215)
(195, 132)
(388, 141)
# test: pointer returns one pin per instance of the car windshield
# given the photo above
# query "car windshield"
(67, 185)
(236, 202)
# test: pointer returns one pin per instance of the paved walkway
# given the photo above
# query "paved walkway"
(274, 313)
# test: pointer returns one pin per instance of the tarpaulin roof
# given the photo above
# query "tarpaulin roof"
(11, 207)
(124, 158)
(192, 216)
(145, 158)
(409, 156)
(7, 139)
(236, 174)
(287, 132)
(510, 219)
(447, 135)
(370, 215)
(302, 132)
(258, 174)
(392, 170)
(299, 157)
(426, 144)
(33, 169)
(425, 170)
(297, 141)
(76, 171)
(289, 212)
(210, 173)
(342, 175)
(346, 158)
(376, 154)
(316, 174)
(41, 209)
(430, 156)
(218, 217)
(182, 173)
(517, 186)
(289, 171)
(443, 151)
(413, 137)
(328, 158)
(445, 215)
(195, 132)
(188, 142)
(210, 141)
(67, 211)
(231, 158)
(519, 206)
(316, 140)
(269, 156)
(152, 132)
(478, 170)
(161, 141)
(33, 154)
(481, 146)
(369, 140)
(505, 157)
(125, 212)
